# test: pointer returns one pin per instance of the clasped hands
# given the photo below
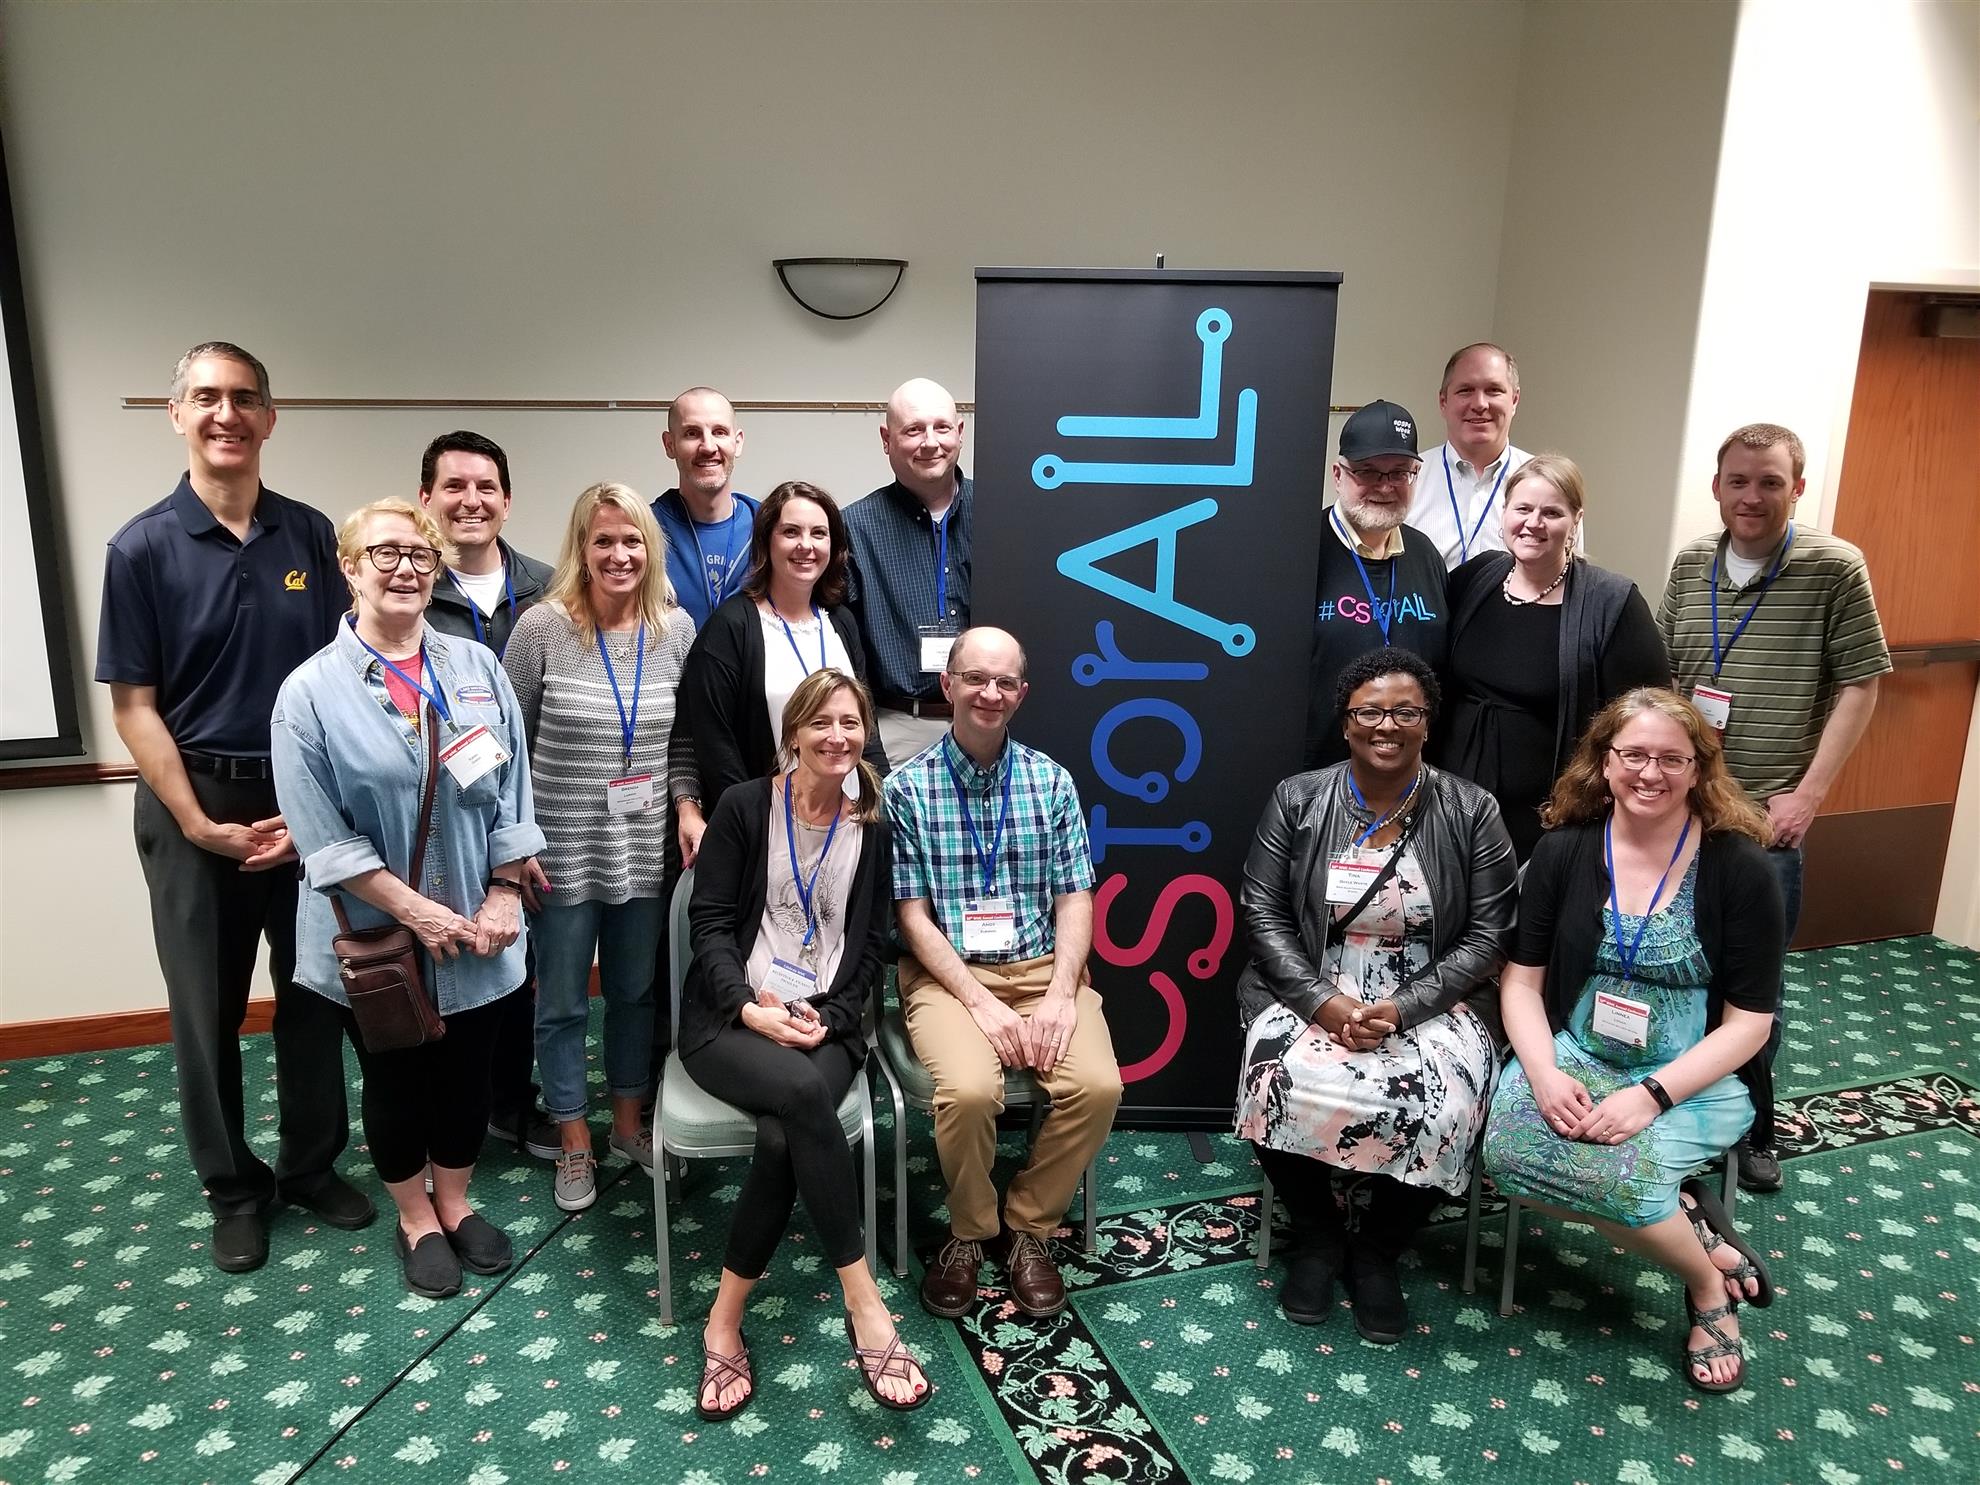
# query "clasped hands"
(793, 1025)
(496, 924)
(1037, 1040)
(1572, 1112)
(1359, 1028)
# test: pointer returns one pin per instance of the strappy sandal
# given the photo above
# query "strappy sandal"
(1722, 1345)
(890, 1360)
(1714, 1227)
(717, 1372)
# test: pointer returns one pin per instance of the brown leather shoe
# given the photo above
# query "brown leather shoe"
(949, 1287)
(1035, 1281)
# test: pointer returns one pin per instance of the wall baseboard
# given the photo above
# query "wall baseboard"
(65, 1034)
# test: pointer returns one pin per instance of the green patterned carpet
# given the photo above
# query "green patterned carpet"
(127, 1356)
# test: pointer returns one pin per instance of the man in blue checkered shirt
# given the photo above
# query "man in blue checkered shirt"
(993, 883)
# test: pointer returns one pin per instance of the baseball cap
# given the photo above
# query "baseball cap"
(1378, 428)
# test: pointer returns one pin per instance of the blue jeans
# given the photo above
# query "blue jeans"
(626, 936)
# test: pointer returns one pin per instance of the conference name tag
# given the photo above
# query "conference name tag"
(1621, 1020)
(1351, 875)
(1714, 705)
(936, 641)
(631, 795)
(790, 982)
(471, 755)
(989, 925)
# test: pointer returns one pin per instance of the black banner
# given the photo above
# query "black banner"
(1151, 453)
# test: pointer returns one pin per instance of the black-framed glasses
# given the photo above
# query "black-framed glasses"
(1402, 716)
(1635, 758)
(978, 680)
(1374, 478)
(387, 555)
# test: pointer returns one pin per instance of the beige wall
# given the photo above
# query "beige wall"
(583, 201)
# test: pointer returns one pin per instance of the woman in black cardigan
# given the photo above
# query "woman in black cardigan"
(1541, 640)
(1639, 993)
(786, 623)
(788, 918)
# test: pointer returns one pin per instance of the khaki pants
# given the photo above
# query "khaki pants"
(1085, 1087)
(903, 734)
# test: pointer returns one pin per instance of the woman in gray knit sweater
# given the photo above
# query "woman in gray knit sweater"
(595, 666)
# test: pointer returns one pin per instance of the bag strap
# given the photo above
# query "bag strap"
(1388, 867)
(431, 726)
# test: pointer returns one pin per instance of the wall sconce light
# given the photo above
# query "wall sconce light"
(840, 288)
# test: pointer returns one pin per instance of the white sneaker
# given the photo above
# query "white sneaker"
(576, 1185)
(638, 1147)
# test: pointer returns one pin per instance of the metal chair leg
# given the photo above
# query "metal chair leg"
(1731, 1194)
(661, 1223)
(1263, 1258)
(1474, 1210)
(1511, 1256)
(900, 1169)
(1092, 1180)
(871, 1178)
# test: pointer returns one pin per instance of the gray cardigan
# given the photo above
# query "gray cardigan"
(1463, 848)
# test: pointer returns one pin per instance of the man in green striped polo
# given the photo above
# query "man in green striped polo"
(1774, 634)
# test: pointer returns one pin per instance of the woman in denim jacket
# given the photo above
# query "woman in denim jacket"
(350, 755)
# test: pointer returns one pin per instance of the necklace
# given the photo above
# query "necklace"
(1506, 592)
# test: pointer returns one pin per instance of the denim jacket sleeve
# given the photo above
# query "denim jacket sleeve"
(332, 848)
(514, 833)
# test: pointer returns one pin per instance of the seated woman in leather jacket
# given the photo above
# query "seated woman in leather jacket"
(1378, 899)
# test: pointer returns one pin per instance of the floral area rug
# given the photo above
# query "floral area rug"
(124, 1355)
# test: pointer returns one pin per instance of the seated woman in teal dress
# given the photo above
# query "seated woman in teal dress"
(1643, 981)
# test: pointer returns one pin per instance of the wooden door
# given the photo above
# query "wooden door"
(1909, 496)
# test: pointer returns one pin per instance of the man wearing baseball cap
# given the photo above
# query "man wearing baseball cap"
(1381, 582)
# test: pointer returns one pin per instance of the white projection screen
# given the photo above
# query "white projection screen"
(37, 683)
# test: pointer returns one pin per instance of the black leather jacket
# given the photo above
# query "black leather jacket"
(1462, 846)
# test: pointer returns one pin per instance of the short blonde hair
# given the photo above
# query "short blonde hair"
(567, 587)
(350, 535)
(1557, 470)
(807, 701)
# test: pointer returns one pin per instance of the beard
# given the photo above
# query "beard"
(1367, 516)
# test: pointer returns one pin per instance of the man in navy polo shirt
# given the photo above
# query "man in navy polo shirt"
(464, 486)
(210, 598)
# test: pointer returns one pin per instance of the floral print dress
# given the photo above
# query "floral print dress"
(1410, 1108)
(1634, 1183)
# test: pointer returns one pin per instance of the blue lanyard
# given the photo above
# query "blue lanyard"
(989, 857)
(716, 584)
(433, 695)
(1719, 653)
(942, 566)
(474, 609)
(1401, 805)
(1635, 946)
(628, 722)
(1457, 516)
(1382, 616)
(805, 890)
(793, 638)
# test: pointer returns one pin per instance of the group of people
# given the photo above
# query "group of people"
(516, 761)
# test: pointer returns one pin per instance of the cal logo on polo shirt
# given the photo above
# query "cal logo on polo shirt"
(297, 581)
(474, 696)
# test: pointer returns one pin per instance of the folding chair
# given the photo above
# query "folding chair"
(690, 1123)
(911, 1086)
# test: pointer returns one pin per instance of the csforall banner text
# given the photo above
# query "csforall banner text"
(1151, 448)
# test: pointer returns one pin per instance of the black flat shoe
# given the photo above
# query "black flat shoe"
(432, 1270)
(336, 1201)
(482, 1247)
(240, 1242)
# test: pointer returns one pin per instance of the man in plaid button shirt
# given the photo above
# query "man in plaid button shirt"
(993, 882)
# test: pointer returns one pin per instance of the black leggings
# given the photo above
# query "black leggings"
(430, 1103)
(1382, 1214)
(800, 1148)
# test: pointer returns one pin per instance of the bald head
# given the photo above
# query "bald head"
(922, 436)
(703, 441)
(985, 684)
(989, 649)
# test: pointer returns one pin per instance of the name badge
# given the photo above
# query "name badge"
(989, 925)
(1621, 1020)
(1714, 705)
(936, 641)
(631, 795)
(1349, 876)
(790, 982)
(471, 755)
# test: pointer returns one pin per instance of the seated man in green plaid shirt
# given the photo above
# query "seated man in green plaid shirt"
(993, 883)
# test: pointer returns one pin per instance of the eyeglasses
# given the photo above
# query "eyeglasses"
(1402, 716)
(1666, 762)
(1375, 478)
(387, 556)
(977, 680)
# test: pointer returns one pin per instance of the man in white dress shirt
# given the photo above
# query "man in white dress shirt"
(1456, 503)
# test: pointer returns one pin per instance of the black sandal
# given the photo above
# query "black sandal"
(1709, 1219)
(718, 1371)
(1722, 1345)
(890, 1360)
